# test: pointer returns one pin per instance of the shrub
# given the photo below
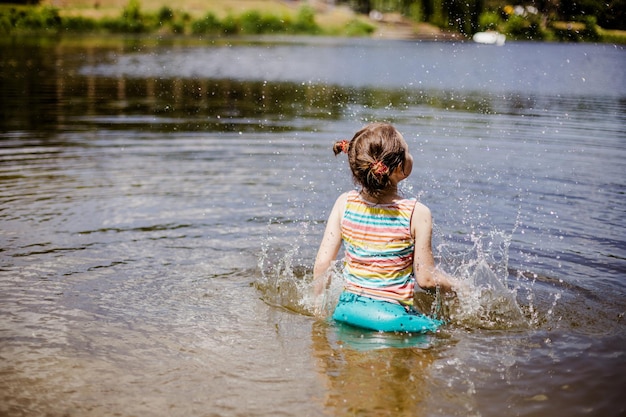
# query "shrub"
(49, 18)
(489, 21)
(132, 11)
(29, 19)
(165, 14)
(357, 27)
(305, 21)
(207, 25)
(583, 30)
(230, 25)
(272, 24)
(591, 29)
(78, 24)
(416, 11)
(6, 25)
(250, 22)
(131, 20)
(612, 36)
(519, 27)
(177, 27)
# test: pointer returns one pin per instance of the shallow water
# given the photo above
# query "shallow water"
(161, 204)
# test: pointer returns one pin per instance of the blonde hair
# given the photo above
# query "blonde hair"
(374, 153)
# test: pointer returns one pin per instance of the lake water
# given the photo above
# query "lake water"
(161, 203)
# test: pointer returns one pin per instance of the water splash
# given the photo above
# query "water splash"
(490, 297)
(282, 283)
(486, 299)
(286, 283)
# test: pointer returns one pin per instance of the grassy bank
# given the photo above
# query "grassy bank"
(214, 17)
(255, 17)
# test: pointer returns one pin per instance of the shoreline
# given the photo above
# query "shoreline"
(130, 17)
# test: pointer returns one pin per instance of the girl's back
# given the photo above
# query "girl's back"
(379, 248)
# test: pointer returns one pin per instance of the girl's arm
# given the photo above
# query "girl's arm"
(426, 273)
(329, 248)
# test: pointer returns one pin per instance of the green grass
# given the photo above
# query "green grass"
(227, 18)
(133, 20)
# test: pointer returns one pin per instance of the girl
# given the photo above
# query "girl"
(387, 238)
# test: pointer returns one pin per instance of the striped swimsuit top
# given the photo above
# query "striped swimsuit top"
(379, 249)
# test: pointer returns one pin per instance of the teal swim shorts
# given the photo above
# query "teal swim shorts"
(368, 313)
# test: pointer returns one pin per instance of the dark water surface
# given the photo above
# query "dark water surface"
(161, 204)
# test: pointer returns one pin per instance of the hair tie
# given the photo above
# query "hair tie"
(379, 168)
(344, 145)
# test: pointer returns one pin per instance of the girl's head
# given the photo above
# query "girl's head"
(378, 156)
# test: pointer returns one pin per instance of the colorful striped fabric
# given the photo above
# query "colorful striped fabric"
(379, 249)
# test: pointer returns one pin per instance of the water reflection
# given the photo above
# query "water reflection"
(55, 87)
(391, 381)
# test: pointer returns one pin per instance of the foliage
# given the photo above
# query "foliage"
(612, 36)
(584, 20)
(305, 21)
(255, 23)
(584, 31)
(358, 28)
(230, 25)
(523, 28)
(29, 19)
(131, 20)
(79, 24)
(470, 16)
(165, 14)
(489, 21)
(416, 11)
(610, 14)
(537, 27)
(463, 15)
(209, 24)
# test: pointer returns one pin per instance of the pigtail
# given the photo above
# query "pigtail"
(379, 169)
(376, 176)
(341, 146)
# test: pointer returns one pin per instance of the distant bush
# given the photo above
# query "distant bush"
(209, 24)
(79, 24)
(33, 19)
(132, 21)
(416, 12)
(583, 30)
(165, 14)
(590, 32)
(230, 25)
(40, 19)
(612, 36)
(489, 21)
(522, 28)
(5, 23)
(357, 27)
(48, 18)
(254, 23)
(305, 21)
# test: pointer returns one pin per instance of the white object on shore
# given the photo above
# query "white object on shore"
(490, 38)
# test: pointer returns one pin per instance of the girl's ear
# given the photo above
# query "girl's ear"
(400, 168)
(398, 172)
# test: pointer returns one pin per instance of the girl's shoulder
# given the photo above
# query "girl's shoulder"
(421, 212)
(348, 195)
(342, 201)
(421, 207)
(351, 194)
